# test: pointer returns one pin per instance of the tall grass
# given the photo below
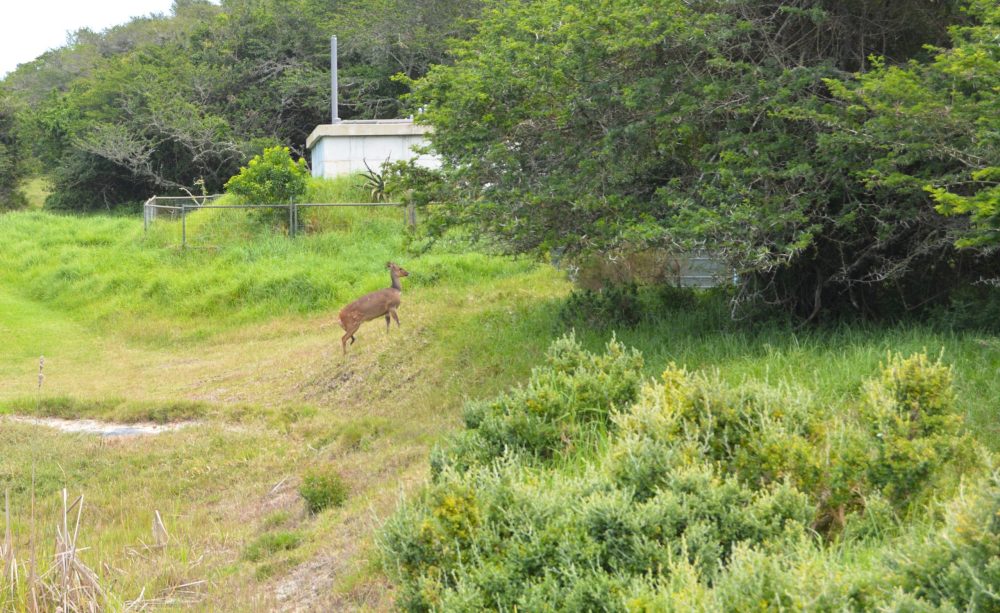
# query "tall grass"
(833, 362)
(65, 583)
(186, 481)
(105, 271)
(830, 361)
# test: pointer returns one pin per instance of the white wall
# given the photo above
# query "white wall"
(343, 148)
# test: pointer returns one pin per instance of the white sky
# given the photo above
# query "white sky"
(29, 28)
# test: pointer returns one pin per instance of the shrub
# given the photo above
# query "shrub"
(612, 307)
(513, 536)
(754, 433)
(272, 177)
(572, 396)
(322, 488)
(975, 306)
(906, 431)
(699, 496)
(627, 305)
(913, 424)
(958, 567)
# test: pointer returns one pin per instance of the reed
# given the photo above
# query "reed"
(68, 584)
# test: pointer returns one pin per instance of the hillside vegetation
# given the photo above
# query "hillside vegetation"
(841, 157)
(241, 339)
(239, 336)
(820, 434)
(105, 271)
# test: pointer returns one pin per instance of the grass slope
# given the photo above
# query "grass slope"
(241, 335)
(242, 338)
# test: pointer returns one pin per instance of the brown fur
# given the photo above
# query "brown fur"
(384, 302)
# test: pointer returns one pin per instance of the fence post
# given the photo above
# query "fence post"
(183, 226)
(411, 215)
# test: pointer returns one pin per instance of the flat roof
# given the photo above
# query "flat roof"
(367, 127)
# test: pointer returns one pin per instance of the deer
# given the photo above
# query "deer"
(371, 306)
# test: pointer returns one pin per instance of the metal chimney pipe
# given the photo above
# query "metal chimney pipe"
(333, 80)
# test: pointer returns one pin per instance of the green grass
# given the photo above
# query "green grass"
(242, 338)
(270, 543)
(239, 334)
(829, 363)
(105, 272)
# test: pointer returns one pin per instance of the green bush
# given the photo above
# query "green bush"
(514, 537)
(627, 305)
(972, 307)
(914, 425)
(905, 433)
(322, 488)
(614, 307)
(696, 495)
(958, 567)
(568, 399)
(272, 177)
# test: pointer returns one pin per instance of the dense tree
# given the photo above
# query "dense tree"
(380, 39)
(103, 116)
(937, 125)
(609, 126)
(841, 155)
(12, 154)
(164, 100)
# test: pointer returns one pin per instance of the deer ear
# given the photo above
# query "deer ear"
(388, 264)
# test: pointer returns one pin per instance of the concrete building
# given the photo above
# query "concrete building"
(344, 147)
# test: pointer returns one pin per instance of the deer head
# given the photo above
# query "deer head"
(396, 269)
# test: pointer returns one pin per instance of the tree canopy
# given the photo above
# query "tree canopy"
(158, 103)
(790, 137)
(12, 167)
(841, 156)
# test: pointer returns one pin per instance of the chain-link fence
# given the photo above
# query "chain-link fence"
(197, 221)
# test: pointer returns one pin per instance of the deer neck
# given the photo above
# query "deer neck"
(396, 285)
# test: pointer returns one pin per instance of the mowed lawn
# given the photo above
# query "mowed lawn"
(241, 341)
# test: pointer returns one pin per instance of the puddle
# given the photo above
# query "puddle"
(100, 428)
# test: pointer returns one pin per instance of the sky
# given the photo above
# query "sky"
(29, 28)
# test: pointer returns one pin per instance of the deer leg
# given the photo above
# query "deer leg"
(395, 316)
(350, 330)
(387, 322)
